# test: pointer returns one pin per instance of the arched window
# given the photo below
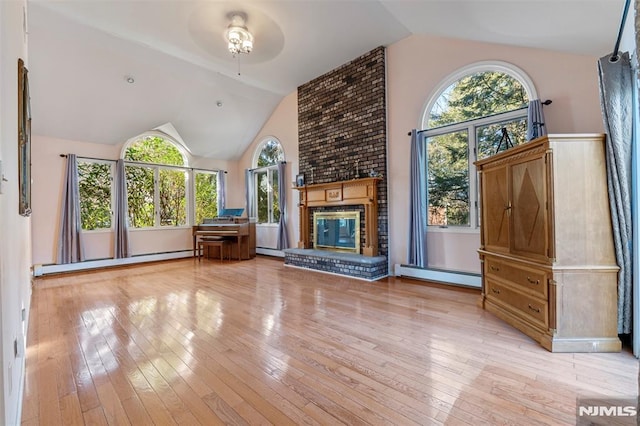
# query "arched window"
(477, 111)
(157, 191)
(266, 158)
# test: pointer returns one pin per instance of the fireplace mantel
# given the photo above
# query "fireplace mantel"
(342, 193)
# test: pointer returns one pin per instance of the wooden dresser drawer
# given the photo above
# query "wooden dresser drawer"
(528, 307)
(525, 278)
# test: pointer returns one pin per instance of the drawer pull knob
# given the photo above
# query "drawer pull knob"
(532, 281)
(494, 268)
(537, 310)
(495, 290)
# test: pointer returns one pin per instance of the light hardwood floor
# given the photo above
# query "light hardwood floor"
(253, 342)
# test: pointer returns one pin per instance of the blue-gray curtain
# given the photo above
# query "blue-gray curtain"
(222, 191)
(250, 192)
(283, 236)
(121, 225)
(616, 89)
(536, 126)
(70, 249)
(418, 203)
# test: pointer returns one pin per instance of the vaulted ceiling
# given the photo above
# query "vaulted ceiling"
(81, 53)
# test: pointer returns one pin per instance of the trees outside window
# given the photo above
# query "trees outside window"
(269, 154)
(157, 195)
(206, 195)
(95, 184)
(140, 196)
(463, 125)
(157, 182)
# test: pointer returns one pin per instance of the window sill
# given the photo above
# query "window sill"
(162, 228)
(452, 230)
(98, 231)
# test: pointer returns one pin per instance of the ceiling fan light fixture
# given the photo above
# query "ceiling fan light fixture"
(239, 39)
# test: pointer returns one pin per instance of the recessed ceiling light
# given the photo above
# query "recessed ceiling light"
(219, 103)
(129, 79)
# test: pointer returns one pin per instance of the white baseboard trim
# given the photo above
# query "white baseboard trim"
(446, 277)
(270, 252)
(39, 270)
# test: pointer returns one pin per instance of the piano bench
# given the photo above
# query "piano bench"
(223, 245)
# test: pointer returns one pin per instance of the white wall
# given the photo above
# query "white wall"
(48, 175)
(417, 65)
(15, 245)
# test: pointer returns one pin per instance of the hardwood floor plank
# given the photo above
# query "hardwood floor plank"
(252, 342)
(111, 406)
(136, 413)
(95, 417)
(70, 410)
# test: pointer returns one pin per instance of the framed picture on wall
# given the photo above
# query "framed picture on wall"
(24, 140)
(300, 179)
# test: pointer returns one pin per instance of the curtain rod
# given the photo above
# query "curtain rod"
(614, 55)
(547, 102)
(145, 164)
(256, 168)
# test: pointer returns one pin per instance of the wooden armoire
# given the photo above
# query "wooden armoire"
(548, 263)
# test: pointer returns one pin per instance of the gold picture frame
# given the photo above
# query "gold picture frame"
(24, 140)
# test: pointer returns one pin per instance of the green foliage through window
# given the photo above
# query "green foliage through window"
(140, 196)
(206, 195)
(156, 193)
(475, 109)
(477, 95)
(154, 149)
(268, 207)
(270, 154)
(448, 179)
(141, 184)
(94, 184)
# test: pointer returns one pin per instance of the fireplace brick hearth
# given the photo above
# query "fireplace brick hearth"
(369, 268)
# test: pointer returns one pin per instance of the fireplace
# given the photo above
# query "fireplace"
(337, 231)
(337, 241)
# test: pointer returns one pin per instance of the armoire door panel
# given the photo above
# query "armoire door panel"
(529, 213)
(495, 211)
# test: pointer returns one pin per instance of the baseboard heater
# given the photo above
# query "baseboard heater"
(39, 270)
(445, 277)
